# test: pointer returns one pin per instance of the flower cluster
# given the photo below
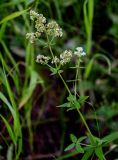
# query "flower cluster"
(54, 29)
(40, 23)
(33, 15)
(33, 36)
(79, 52)
(55, 60)
(42, 59)
(65, 57)
(51, 28)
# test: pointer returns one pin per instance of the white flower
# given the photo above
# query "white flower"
(79, 49)
(33, 15)
(83, 53)
(65, 57)
(42, 59)
(31, 37)
(54, 29)
(40, 27)
(39, 17)
(40, 23)
(79, 52)
(55, 60)
(37, 34)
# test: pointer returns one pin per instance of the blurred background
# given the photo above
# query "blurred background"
(45, 127)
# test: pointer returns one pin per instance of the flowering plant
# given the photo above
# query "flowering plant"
(54, 30)
(74, 101)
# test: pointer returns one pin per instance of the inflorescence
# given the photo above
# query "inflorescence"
(65, 57)
(51, 29)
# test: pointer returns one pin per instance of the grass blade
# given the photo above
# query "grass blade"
(87, 154)
(4, 99)
(12, 16)
(10, 131)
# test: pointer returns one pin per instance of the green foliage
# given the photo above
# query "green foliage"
(87, 154)
(75, 144)
(55, 70)
(90, 64)
(10, 153)
(12, 16)
(74, 103)
(88, 10)
(29, 90)
(15, 130)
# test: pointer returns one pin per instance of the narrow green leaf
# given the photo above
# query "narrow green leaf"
(110, 138)
(4, 99)
(73, 138)
(10, 93)
(29, 90)
(86, 20)
(81, 139)
(71, 146)
(71, 98)
(73, 102)
(82, 99)
(10, 152)
(12, 16)
(67, 156)
(2, 30)
(77, 104)
(87, 154)
(99, 55)
(19, 148)
(88, 69)
(79, 148)
(65, 105)
(99, 153)
(10, 131)
(90, 64)
(90, 10)
(53, 70)
(8, 53)
(7, 69)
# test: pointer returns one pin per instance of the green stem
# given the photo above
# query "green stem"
(66, 86)
(78, 73)
(65, 83)
(82, 117)
(76, 77)
(86, 125)
(49, 45)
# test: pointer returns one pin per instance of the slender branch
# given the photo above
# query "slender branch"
(66, 86)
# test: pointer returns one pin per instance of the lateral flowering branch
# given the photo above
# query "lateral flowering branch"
(53, 29)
